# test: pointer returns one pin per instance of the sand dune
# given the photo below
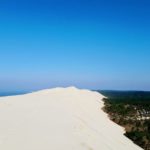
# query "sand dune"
(59, 119)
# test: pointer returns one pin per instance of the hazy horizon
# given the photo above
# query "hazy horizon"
(88, 44)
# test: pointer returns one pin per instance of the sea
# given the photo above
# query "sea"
(3, 94)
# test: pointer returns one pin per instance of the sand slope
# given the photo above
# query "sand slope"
(59, 119)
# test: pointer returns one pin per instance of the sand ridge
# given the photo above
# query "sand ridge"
(59, 119)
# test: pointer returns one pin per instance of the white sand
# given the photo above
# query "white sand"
(59, 119)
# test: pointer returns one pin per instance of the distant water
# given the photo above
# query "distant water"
(2, 94)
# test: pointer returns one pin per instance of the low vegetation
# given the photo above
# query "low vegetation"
(132, 111)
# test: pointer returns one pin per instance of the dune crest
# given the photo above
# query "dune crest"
(59, 119)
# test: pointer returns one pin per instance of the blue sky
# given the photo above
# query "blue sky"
(96, 44)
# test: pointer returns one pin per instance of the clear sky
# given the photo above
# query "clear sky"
(96, 44)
